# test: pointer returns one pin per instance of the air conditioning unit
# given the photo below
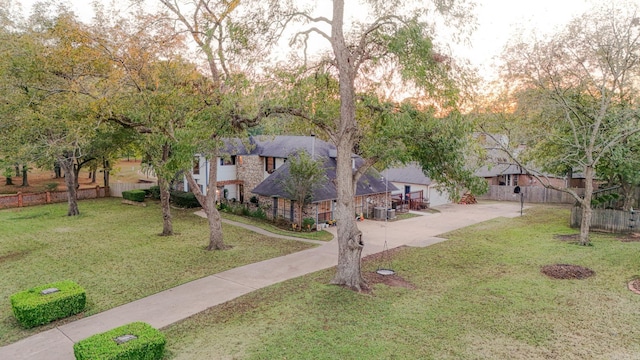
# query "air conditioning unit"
(379, 213)
(391, 214)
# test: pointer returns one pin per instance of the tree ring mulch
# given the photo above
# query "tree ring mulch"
(634, 285)
(566, 271)
(393, 280)
(567, 237)
(631, 237)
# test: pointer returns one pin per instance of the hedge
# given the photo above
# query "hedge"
(184, 199)
(153, 192)
(134, 195)
(148, 344)
(34, 307)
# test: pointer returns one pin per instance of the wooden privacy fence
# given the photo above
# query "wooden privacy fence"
(49, 197)
(531, 194)
(616, 221)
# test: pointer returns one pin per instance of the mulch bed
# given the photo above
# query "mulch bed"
(394, 280)
(634, 285)
(569, 237)
(566, 271)
(631, 237)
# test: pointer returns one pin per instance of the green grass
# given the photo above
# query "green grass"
(479, 295)
(114, 252)
(405, 216)
(264, 225)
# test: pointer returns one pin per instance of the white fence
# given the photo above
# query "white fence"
(116, 189)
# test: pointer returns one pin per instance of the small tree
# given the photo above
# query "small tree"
(305, 175)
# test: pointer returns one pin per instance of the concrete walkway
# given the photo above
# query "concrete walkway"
(170, 306)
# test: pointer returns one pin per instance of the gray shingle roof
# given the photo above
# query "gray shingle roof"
(280, 146)
(370, 183)
(410, 174)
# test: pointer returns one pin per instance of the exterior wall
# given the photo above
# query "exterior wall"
(227, 172)
(528, 180)
(363, 204)
(430, 192)
(437, 198)
(250, 170)
(201, 176)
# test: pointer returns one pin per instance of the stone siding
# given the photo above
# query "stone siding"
(251, 172)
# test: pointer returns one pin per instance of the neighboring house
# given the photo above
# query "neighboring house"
(414, 185)
(503, 171)
(256, 167)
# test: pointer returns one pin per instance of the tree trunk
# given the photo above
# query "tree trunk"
(167, 223)
(350, 242)
(25, 180)
(106, 168)
(216, 241)
(71, 183)
(8, 181)
(208, 203)
(163, 184)
(17, 170)
(585, 223)
(628, 192)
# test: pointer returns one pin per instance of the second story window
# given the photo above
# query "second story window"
(196, 166)
(270, 164)
(228, 161)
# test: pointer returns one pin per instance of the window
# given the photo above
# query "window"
(196, 166)
(269, 164)
(226, 161)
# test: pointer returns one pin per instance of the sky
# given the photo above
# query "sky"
(498, 21)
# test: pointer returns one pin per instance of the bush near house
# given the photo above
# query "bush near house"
(184, 199)
(43, 304)
(153, 192)
(148, 344)
(134, 195)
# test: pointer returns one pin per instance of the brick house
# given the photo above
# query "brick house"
(255, 167)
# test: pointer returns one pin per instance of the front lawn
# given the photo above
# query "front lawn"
(114, 252)
(479, 295)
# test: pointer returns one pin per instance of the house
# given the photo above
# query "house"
(501, 170)
(255, 167)
(415, 188)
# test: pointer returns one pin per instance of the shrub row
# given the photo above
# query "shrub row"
(34, 307)
(134, 195)
(148, 344)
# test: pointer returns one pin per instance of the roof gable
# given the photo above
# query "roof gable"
(370, 183)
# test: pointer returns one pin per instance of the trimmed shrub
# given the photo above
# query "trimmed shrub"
(307, 223)
(184, 199)
(35, 307)
(134, 195)
(148, 344)
(154, 192)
